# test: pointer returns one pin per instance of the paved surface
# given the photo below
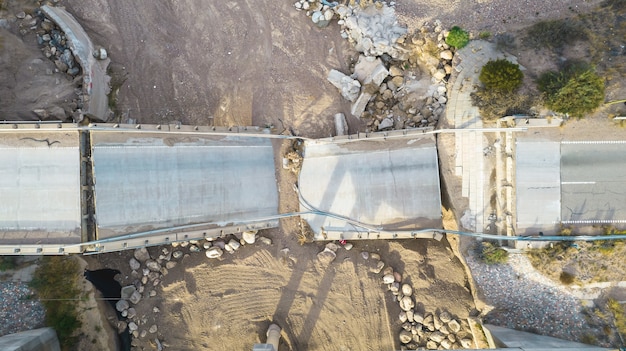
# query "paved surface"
(538, 186)
(593, 182)
(39, 189)
(394, 183)
(146, 182)
(95, 79)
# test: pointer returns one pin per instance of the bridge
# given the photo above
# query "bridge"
(67, 188)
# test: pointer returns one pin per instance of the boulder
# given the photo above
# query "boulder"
(234, 244)
(407, 290)
(214, 252)
(437, 337)
(142, 254)
(121, 305)
(359, 105)
(127, 292)
(135, 297)
(405, 337)
(153, 265)
(388, 279)
(350, 88)
(454, 326)
(249, 236)
(446, 55)
(370, 71)
(326, 256)
(406, 303)
(134, 264)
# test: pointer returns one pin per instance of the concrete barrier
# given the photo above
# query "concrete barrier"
(44, 339)
(95, 80)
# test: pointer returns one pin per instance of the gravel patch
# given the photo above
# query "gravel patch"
(17, 311)
(526, 300)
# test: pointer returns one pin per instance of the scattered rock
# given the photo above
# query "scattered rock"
(142, 254)
(467, 343)
(388, 279)
(177, 254)
(395, 71)
(143, 333)
(153, 265)
(431, 345)
(132, 326)
(437, 322)
(194, 248)
(446, 344)
(418, 318)
(446, 55)
(332, 246)
(170, 264)
(206, 245)
(152, 293)
(365, 255)
(131, 312)
(403, 317)
(375, 256)
(350, 88)
(348, 246)
(409, 315)
(445, 317)
(153, 329)
(437, 337)
(265, 240)
(21, 15)
(386, 124)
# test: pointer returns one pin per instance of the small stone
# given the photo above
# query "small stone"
(175, 244)
(454, 326)
(398, 81)
(406, 303)
(177, 254)
(451, 337)
(375, 256)
(395, 71)
(394, 288)
(152, 293)
(121, 305)
(446, 344)
(388, 279)
(21, 15)
(124, 313)
(142, 254)
(332, 246)
(134, 264)
(170, 264)
(194, 248)
(234, 244)
(153, 329)
(156, 309)
(445, 317)
(206, 245)
(444, 329)
(431, 345)
(153, 275)
(365, 255)
(405, 337)
(131, 312)
(249, 236)
(437, 322)
(442, 100)
(144, 279)
(416, 338)
(407, 290)
(184, 243)
(439, 75)
(135, 334)
(127, 292)
(348, 246)
(214, 252)
(132, 326)
(418, 317)
(143, 334)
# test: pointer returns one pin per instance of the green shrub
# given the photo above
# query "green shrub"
(55, 282)
(457, 38)
(492, 254)
(577, 89)
(501, 75)
(554, 34)
(484, 35)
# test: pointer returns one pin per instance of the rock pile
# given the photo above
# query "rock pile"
(55, 46)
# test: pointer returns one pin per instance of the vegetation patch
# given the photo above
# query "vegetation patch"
(501, 75)
(457, 38)
(7, 263)
(576, 89)
(493, 254)
(494, 104)
(56, 284)
(554, 34)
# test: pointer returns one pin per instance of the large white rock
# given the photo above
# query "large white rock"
(349, 87)
(358, 107)
(370, 71)
(214, 252)
(249, 236)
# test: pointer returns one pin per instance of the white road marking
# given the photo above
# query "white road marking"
(576, 183)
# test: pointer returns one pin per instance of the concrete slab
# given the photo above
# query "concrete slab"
(392, 184)
(538, 186)
(40, 188)
(145, 182)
